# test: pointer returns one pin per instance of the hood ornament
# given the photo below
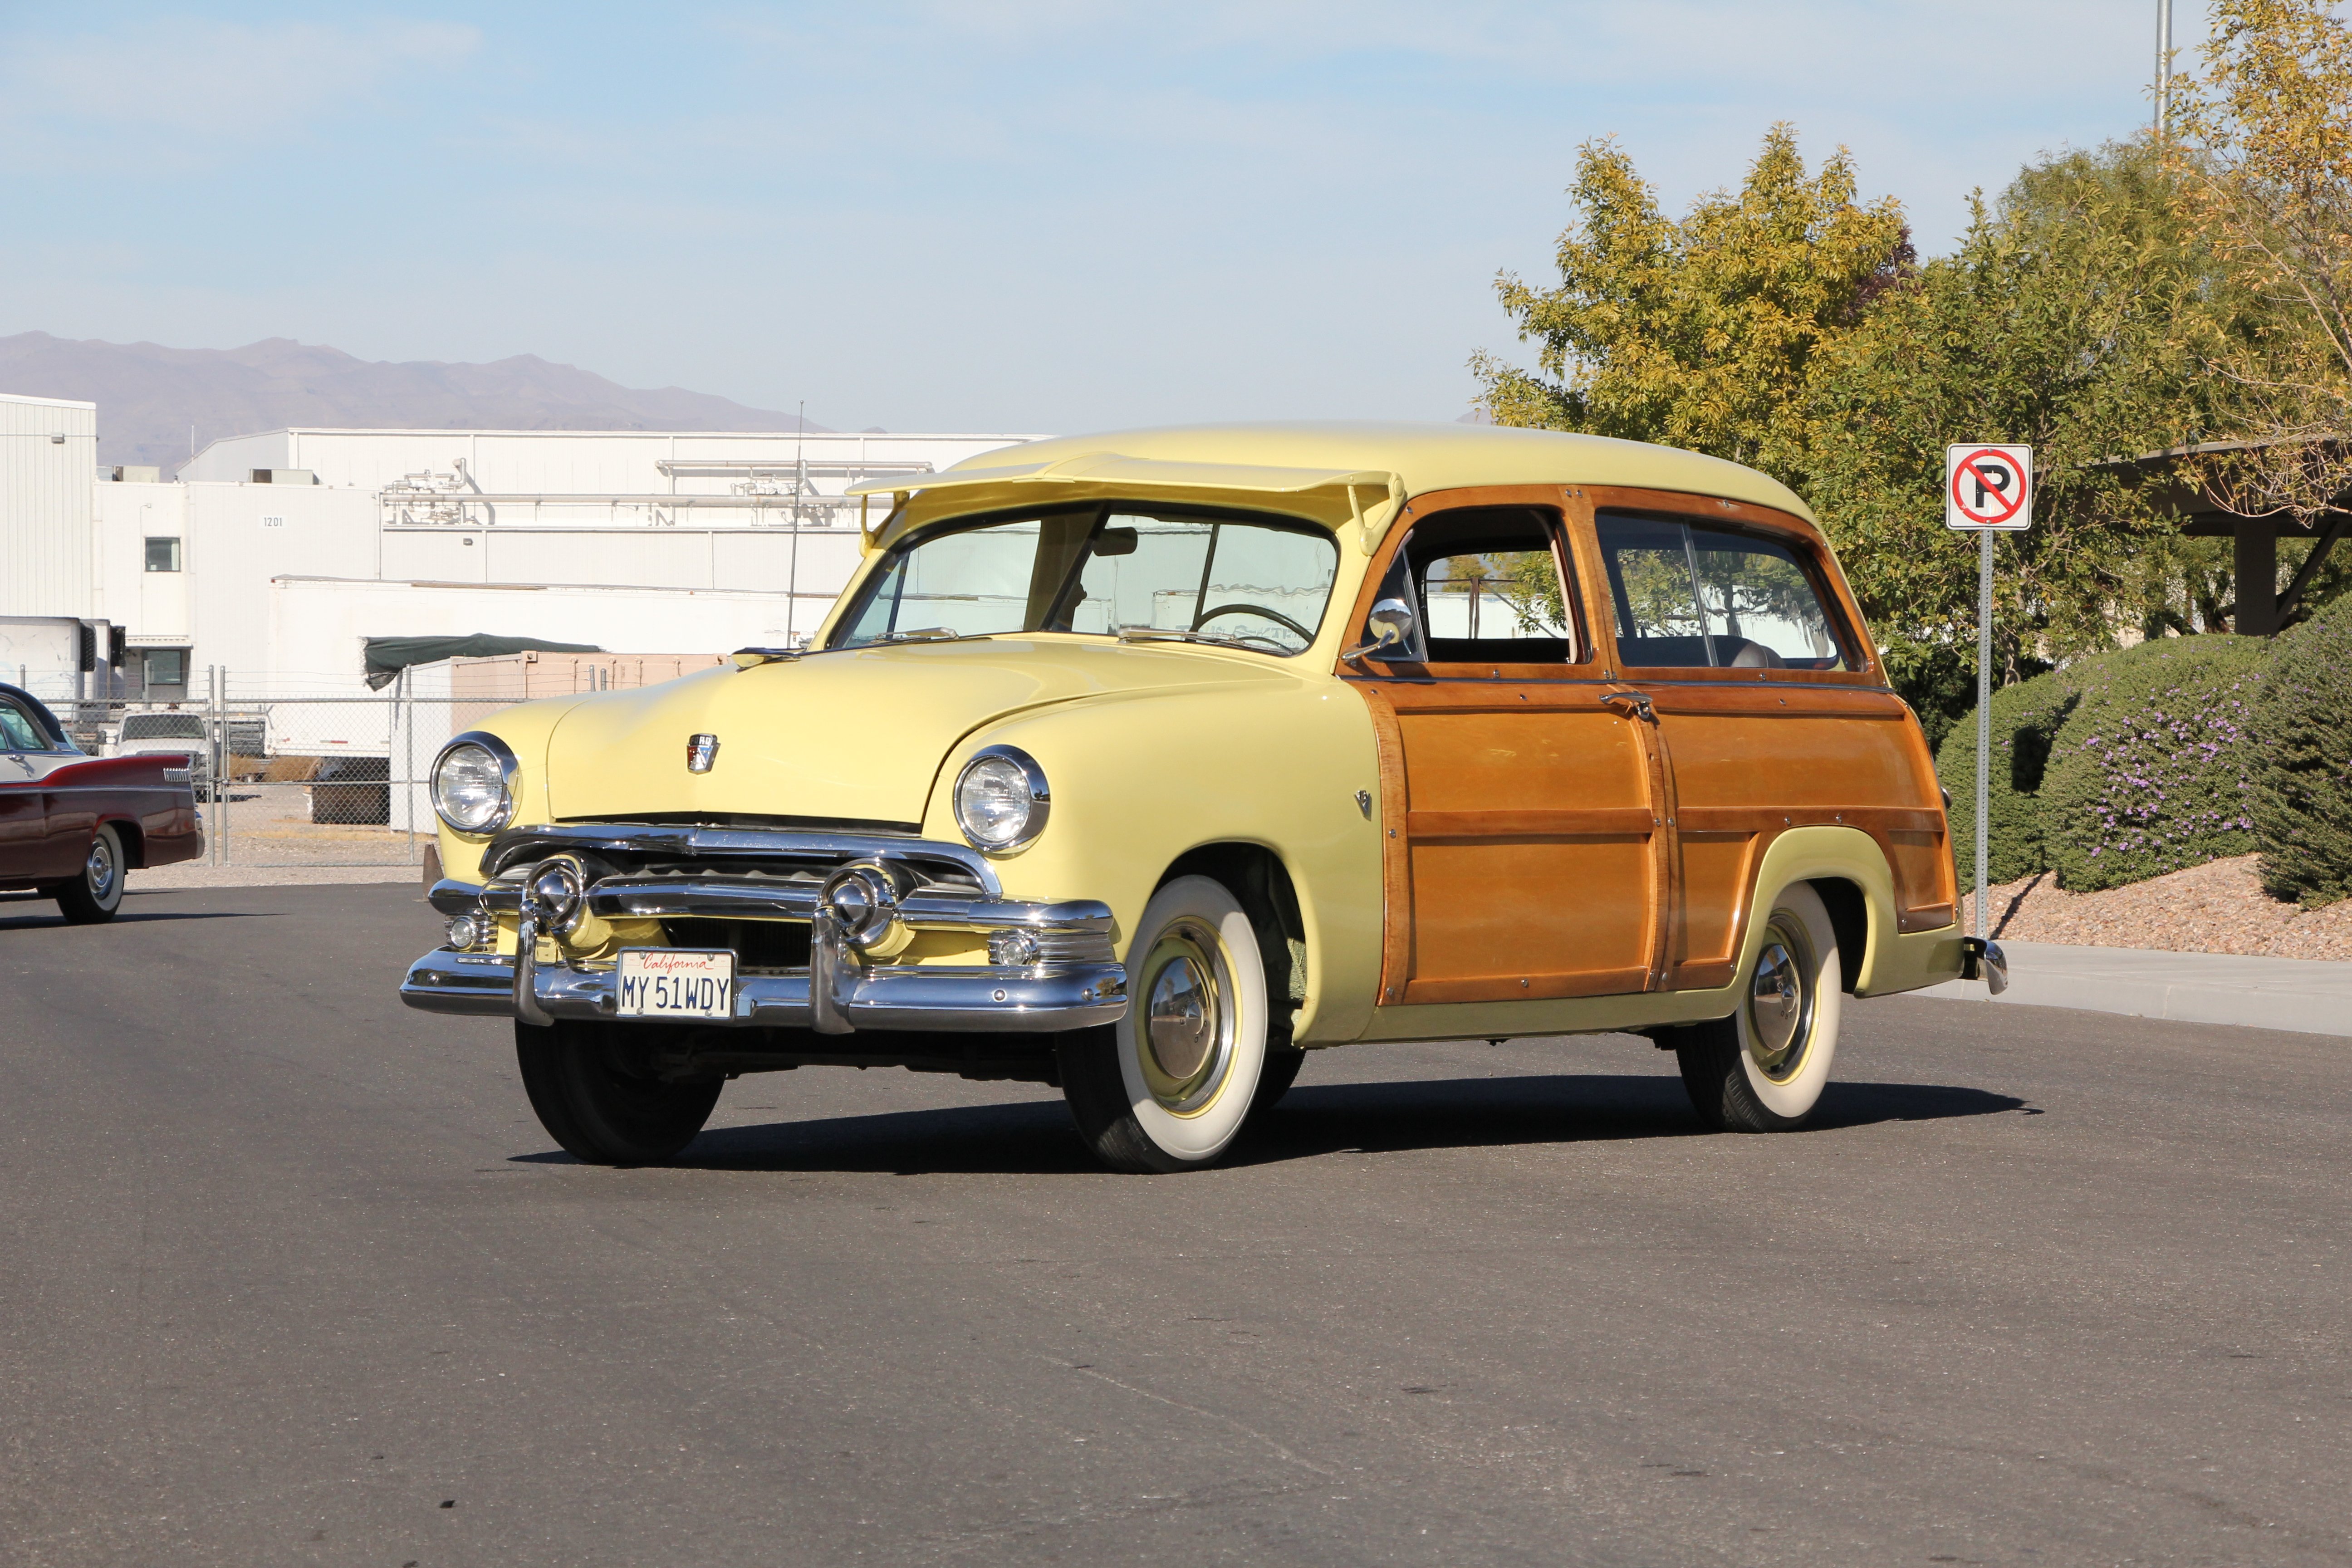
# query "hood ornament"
(702, 750)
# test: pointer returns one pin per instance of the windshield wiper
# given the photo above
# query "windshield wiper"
(922, 634)
(1215, 639)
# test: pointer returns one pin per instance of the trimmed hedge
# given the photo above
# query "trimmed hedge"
(2302, 788)
(2026, 719)
(2154, 771)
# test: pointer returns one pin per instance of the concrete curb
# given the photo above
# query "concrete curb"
(2301, 995)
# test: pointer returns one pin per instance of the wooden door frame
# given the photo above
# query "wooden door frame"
(1576, 557)
(1863, 694)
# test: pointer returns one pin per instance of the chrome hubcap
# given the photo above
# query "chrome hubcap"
(99, 869)
(1187, 1034)
(1780, 1001)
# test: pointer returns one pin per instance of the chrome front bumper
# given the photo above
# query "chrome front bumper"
(665, 873)
(1042, 999)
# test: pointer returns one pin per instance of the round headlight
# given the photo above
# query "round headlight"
(471, 789)
(1001, 799)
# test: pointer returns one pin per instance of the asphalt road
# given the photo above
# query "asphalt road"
(288, 1275)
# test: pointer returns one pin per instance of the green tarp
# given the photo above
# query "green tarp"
(387, 656)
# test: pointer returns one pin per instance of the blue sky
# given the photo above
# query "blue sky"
(1048, 216)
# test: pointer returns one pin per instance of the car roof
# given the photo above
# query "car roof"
(1424, 456)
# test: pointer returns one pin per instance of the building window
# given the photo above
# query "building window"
(167, 667)
(163, 555)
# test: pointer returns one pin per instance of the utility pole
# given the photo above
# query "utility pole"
(800, 476)
(2163, 67)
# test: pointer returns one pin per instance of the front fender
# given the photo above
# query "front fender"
(526, 729)
(1138, 779)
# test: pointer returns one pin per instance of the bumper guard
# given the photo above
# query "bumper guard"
(1076, 984)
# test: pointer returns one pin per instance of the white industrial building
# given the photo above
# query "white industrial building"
(273, 556)
(49, 621)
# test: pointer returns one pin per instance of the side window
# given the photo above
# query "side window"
(1692, 595)
(1761, 605)
(1650, 583)
(1484, 588)
(18, 733)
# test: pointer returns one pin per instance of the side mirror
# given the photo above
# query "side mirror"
(1391, 625)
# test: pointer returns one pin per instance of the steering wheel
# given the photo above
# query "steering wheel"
(1259, 610)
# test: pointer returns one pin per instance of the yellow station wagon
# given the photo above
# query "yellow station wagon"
(1141, 764)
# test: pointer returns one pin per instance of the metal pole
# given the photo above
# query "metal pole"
(218, 794)
(799, 482)
(2163, 66)
(1984, 720)
(408, 767)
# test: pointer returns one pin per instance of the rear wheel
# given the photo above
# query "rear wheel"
(1763, 1069)
(595, 1091)
(95, 895)
(1169, 1086)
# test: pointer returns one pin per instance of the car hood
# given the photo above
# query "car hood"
(856, 736)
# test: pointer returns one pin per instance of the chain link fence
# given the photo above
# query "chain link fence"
(336, 776)
(288, 781)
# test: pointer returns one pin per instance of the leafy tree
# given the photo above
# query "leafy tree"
(1698, 334)
(1789, 327)
(2057, 323)
(2264, 167)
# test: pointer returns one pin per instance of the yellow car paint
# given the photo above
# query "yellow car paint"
(1152, 750)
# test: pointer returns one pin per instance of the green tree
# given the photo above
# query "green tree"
(1698, 334)
(2264, 167)
(2058, 322)
(1789, 327)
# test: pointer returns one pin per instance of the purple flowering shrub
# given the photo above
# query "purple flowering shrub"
(2154, 771)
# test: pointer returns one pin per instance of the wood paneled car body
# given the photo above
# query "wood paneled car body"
(72, 824)
(1142, 763)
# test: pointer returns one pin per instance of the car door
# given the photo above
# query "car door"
(23, 828)
(1524, 848)
(1772, 710)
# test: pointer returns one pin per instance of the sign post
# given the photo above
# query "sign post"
(1986, 490)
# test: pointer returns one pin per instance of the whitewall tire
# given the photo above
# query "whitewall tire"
(96, 895)
(1763, 1069)
(1168, 1087)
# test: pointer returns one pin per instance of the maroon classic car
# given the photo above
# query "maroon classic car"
(71, 823)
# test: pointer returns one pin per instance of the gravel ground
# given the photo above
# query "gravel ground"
(2215, 908)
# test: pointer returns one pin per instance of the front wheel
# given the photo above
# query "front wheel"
(1168, 1087)
(1763, 1069)
(595, 1091)
(95, 895)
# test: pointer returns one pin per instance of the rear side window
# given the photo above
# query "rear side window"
(1693, 595)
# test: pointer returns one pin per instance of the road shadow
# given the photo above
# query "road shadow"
(1035, 1138)
(29, 919)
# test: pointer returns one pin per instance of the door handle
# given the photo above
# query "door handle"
(1636, 705)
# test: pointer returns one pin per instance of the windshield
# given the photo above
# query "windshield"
(1110, 570)
(162, 727)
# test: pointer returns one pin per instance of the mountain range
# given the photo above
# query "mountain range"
(147, 395)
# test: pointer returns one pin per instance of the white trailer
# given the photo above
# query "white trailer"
(58, 659)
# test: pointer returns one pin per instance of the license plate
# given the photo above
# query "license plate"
(668, 983)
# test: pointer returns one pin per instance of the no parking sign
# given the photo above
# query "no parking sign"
(1989, 487)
